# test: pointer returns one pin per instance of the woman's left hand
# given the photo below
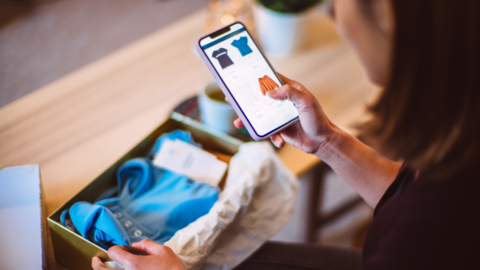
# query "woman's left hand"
(157, 257)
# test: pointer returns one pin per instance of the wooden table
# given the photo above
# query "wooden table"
(80, 124)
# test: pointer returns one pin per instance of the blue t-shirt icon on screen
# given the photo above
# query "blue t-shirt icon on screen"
(242, 45)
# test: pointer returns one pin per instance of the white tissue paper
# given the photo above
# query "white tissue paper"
(257, 201)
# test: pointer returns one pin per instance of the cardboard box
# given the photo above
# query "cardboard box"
(24, 238)
(75, 252)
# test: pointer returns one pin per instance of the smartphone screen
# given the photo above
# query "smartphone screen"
(248, 76)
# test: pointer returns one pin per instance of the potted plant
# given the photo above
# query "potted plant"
(280, 24)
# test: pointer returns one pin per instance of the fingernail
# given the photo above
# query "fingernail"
(277, 142)
(272, 93)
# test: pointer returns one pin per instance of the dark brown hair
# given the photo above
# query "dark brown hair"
(429, 113)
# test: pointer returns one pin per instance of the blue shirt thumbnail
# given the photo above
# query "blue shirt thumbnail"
(242, 45)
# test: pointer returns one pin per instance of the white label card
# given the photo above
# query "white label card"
(187, 159)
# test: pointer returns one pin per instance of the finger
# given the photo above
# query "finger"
(121, 255)
(277, 140)
(284, 79)
(226, 99)
(290, 134)
(146, 246)
(287, 91)
(238, 123)
(97, 264)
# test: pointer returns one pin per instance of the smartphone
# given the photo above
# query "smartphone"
(245, 76)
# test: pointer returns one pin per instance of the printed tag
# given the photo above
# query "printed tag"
(184, 158)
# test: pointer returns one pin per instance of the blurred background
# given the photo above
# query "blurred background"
(44, 40)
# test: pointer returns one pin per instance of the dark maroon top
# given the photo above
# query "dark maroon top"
(426, 224)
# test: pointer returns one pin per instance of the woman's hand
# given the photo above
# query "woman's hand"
(367, 172)
(313, 130)
(157, 257)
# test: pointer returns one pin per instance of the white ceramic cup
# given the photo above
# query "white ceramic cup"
(214, 112)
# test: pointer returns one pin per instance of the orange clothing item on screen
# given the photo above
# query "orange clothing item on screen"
(267, 84)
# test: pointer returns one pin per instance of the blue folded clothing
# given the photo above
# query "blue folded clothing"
(152, 203)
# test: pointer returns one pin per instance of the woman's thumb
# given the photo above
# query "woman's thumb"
(291, 93)
(146, 246)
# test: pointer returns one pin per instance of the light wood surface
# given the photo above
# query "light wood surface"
(78, 125)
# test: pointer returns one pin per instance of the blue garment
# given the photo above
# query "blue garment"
(152, 203)
(242, 45)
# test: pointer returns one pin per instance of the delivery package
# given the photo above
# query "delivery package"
(137, 198)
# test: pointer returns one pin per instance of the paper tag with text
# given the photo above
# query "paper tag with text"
(184, 158)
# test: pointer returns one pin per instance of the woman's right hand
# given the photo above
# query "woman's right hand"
(313, 130)
(155, 256)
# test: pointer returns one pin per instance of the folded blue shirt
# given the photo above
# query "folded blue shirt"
(152, 203)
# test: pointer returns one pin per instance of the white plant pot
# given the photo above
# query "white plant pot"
(279, 34)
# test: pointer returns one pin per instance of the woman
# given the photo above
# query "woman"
(426, 55)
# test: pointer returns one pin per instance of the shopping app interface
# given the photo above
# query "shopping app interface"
(248, 77)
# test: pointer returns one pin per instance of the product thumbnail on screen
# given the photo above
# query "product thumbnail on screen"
(267, 84)
(222, 57)
(242, 45)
